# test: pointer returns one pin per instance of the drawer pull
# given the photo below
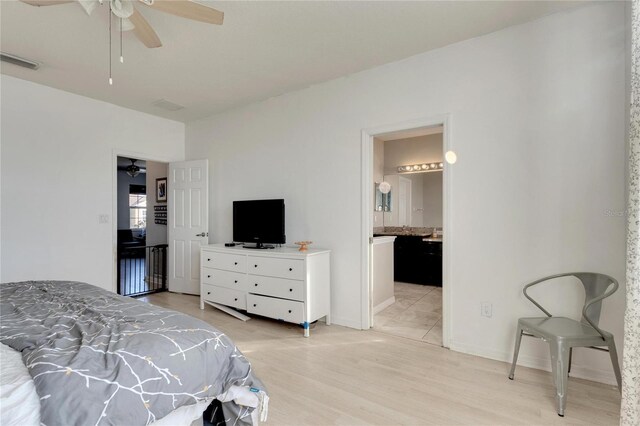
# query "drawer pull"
(236, 299)
(208, 276)
(235, 263)
(209, 260)
(254, 305)
(208, 292)
(289, 310)
(235, 281)
(256, 284)
(290, 289)
(255, 266)
(290, 269)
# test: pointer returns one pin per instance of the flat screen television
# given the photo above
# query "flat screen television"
(259, 222)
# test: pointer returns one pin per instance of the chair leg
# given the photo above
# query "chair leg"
(516, 350)
(570, 359)
(560, 369)
(614, 361)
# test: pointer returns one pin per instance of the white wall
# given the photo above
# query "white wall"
(58, 177)
(538, 121)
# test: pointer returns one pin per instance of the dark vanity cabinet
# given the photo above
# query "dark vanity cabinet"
(417, 261)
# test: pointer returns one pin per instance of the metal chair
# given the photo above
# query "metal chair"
(563, 334)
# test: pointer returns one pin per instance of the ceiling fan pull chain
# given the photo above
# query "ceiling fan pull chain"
(110, 79)
(121, 55)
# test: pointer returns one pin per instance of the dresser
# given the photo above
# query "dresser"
(281, 283)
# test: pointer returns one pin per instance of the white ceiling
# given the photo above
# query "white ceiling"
(263, 49)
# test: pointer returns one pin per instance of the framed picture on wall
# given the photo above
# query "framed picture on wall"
(161, 190)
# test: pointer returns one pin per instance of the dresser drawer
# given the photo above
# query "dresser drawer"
(276, 267)
(286, 310)
(224, 296)
(226, 261)
(232, 280)
(276, 287)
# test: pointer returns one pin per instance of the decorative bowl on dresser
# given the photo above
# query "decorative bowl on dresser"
(281, 283)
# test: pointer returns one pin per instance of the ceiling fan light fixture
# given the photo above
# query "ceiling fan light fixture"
(122, 8)
(133, 170)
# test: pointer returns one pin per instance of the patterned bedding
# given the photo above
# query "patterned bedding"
(102, 359)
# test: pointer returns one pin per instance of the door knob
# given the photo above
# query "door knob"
(202, 234)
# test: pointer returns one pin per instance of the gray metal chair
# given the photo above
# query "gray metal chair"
(563, 334)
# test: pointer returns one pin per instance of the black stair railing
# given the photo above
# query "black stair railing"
(142, 269)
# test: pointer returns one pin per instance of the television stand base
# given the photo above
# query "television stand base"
(259, 246)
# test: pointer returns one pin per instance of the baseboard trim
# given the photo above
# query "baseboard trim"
(381, 306)
(587, 373)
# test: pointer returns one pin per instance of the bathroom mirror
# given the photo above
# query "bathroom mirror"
(382, 201)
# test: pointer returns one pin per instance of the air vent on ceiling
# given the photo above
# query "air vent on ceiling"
(169, 106)
(21, 62)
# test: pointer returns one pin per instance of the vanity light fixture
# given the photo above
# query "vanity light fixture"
(425, 167)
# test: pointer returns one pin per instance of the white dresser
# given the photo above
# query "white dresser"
(281, 283)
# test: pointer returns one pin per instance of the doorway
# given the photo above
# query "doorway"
(407, 275)
(141, 226)
(402, 218)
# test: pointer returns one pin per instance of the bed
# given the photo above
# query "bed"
(84, 355)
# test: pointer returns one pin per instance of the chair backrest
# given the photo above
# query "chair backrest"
(596, 287)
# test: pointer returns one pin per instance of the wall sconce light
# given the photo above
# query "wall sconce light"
(424, 167)
(451, 157)
(384, 187)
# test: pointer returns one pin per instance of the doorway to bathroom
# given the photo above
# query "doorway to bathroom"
(405, 226)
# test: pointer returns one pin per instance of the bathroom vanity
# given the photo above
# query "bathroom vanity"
(417, 259)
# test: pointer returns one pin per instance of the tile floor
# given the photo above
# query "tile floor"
(416, 313)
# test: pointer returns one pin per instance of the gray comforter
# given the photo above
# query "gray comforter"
(102, 359)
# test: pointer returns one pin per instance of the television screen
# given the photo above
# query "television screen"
(259, 221)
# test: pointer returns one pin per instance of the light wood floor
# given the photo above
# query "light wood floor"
(341, 376)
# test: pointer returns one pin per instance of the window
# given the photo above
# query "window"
(137, 207)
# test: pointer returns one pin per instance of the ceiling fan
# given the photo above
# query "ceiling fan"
(133, 20)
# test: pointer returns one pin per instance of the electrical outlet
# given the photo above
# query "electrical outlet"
(103, 218)
(486, 309)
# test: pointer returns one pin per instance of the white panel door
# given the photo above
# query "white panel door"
(188, 222)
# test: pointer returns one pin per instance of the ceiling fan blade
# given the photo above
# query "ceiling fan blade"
(143, 30)
(187, 9)
(46, 2)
